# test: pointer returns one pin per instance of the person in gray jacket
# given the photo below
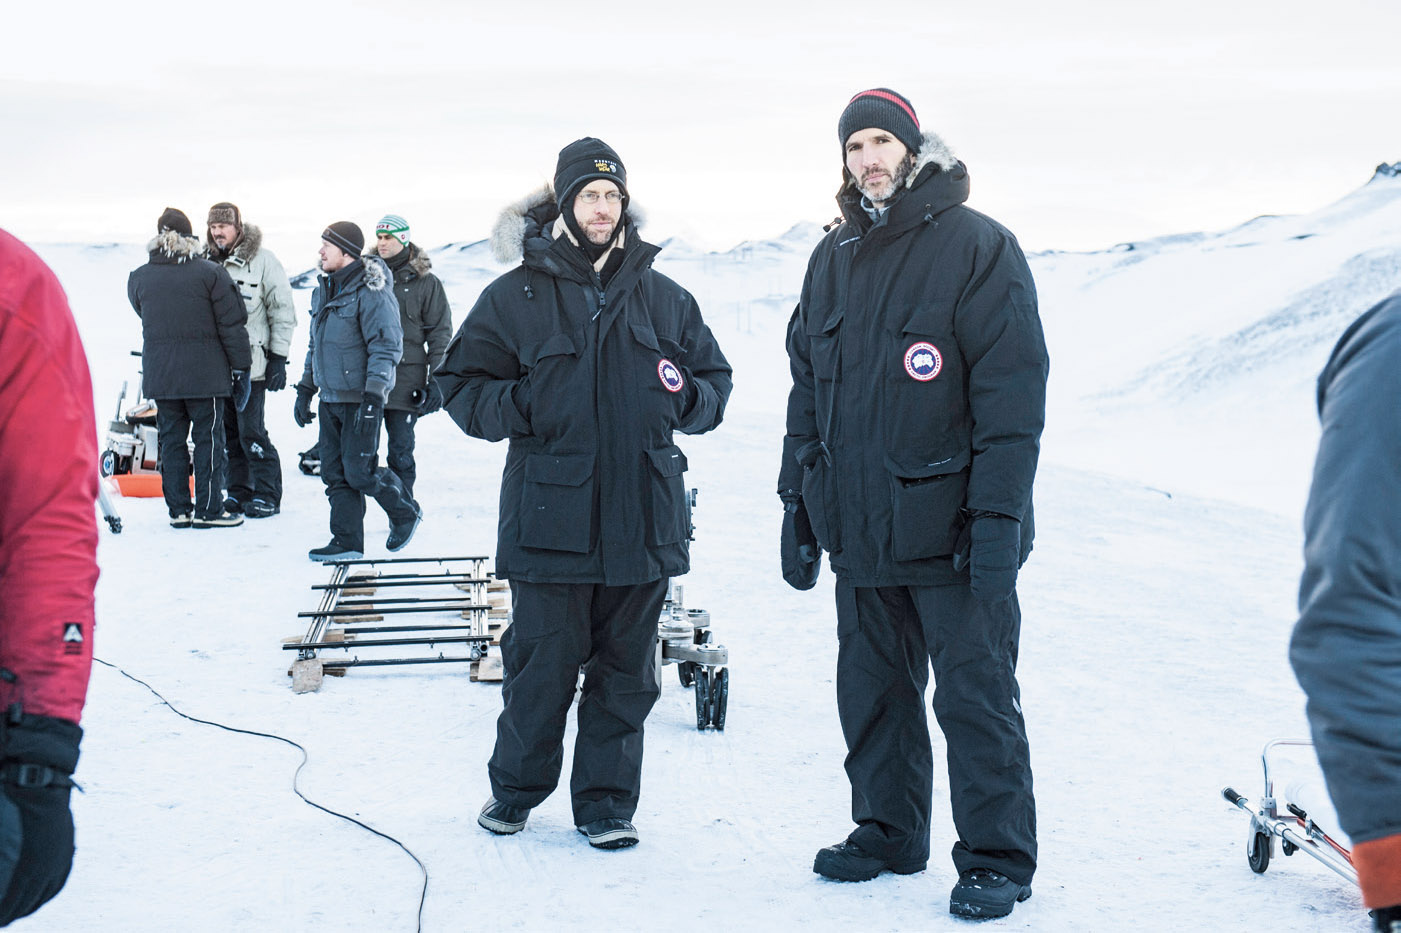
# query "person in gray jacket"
(427, 323)
(1346, 647)
(355, 343)
(255, 471)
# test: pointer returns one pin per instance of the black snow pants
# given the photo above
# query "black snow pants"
(177, 419)
(557, 628)
(398, 454)
(350, 470)
(255, 472)
(888, 638)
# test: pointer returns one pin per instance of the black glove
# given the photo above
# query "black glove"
(367, 414)
(242, 388)
(301, 410)
(994, 549)
(428, 399)
(276, 374)
(799, 554)
(39, 755)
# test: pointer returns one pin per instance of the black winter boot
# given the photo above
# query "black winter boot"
(982, 894)
(847, 861)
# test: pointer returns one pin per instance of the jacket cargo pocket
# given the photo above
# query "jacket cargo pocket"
(556, 511)
(925, 503)
(670, 522)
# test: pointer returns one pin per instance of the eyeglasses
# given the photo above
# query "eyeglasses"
(591, 197)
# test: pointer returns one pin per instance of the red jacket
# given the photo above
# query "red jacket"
(48, 489)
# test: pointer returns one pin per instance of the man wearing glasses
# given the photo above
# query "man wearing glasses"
(587, 360)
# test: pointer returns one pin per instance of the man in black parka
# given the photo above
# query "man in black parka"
(919, 374)
(194, 355)
(587, 360)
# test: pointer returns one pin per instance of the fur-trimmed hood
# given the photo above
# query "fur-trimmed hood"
(533, 217)
(244, 250)
(172, 245)
(932, 151)
(374, 273)
(417, 264)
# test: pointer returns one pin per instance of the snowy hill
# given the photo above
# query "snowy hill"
(1157, 607)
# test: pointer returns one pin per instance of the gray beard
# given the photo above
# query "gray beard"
(902, 172)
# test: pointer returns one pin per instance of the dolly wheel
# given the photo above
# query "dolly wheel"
(1288, 847)
(720, 696)
(686, 671)
(1257, 852)
(703, 687)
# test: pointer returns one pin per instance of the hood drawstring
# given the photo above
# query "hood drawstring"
(928, 214)
(529, 292)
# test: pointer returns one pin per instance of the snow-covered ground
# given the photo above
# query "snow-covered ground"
(1157, 608)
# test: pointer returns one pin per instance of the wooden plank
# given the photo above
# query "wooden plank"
(488, 669)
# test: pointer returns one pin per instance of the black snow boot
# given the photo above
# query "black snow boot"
(610, 833)
(334, 551)
(502, 818)
(982, 894)
(1387, 919)
(847, 861)
(401, 532)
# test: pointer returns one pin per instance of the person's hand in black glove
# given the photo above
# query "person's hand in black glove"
(242, 389)
(368, 414)
(799, 554)
(428, 399)
(994, 551)
(276, 374)
(301, 410)
(37, 759)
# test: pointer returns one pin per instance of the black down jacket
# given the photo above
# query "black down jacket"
(192, 322)
(588, 383)
(919, 381)
(426, 319)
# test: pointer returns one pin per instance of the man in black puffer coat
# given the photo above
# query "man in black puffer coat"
(194, 354)
(587, 360)
(919, 376)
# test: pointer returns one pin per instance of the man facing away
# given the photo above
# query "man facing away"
(919, 374)
(354, 346)
(254, 470)
(587, 360)
(427, 323)
(194, 357)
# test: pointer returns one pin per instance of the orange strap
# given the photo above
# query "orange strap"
(1378, 864)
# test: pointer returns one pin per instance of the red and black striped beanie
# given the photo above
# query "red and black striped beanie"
(881, 108)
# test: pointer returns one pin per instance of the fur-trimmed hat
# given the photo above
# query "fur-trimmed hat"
(583, 161)
(346, 237)
(172, 219)
(225, 213)
(884, 109)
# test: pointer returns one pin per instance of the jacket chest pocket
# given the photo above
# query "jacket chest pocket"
(670, 519)
(556, 511)
(924, 405)
(825, 353)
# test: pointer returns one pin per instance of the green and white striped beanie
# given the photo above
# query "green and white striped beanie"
(395, 226)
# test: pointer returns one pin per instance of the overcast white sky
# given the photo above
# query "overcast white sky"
(1083, 122)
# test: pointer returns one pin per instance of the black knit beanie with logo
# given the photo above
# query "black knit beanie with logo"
(881, 108)
(581, 162)
(346, 237)
(172, 219)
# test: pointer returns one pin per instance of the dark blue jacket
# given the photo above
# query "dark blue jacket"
(356, 338)
(1346, 648)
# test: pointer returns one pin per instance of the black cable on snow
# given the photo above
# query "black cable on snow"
(423, 894)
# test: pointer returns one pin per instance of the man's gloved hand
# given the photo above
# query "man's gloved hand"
(799, 554)
(368, 414)
(301, 410)
(276, 375)
(994, 549)
(428, 399)
(37, 758)
(242, 389)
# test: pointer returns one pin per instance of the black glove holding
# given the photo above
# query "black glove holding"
(301, 409)
(799, 554)
(242, 389)
(994, 549)
(428, 399)
(368, 414)
(276, 374)
(36, 763)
